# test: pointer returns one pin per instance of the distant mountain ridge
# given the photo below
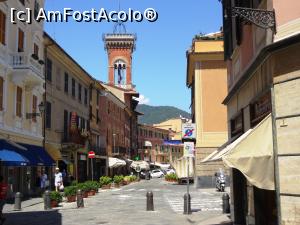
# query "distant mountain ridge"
(158, 114)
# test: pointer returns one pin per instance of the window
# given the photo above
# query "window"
(97, 98)
(66, 82)
(85, 96)
(2, 27)
(97, 116)
(65, 125)
(58, 78)
(1, 93)
(73, 87)
(34, 107)
(91, 112)
(19, 102)
(20, 41)
(22, 1)
(48, 115)
(79, 92)
(49, 70)
(36, 49)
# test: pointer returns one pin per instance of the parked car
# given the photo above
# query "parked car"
(143, 174)
(156, 173)
(170, 171)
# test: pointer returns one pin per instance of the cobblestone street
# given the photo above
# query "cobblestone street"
(126, 206)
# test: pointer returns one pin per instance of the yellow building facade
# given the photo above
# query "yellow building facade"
(207, 79)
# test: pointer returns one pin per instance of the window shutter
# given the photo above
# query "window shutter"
(34, 107)
(2, 27)
(48, 115)
(20, 41)
(1, 93)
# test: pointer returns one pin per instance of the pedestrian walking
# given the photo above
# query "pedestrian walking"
(44, 181)
(58, 181)
(3, 194)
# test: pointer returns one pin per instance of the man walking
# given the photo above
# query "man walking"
(58, 181)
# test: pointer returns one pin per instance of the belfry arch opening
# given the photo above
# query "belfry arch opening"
(120, 72)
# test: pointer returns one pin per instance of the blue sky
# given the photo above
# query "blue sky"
(159, 62)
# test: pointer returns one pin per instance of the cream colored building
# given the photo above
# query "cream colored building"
(207, 79)
(174, 124)
(67, 110)
(21, 86)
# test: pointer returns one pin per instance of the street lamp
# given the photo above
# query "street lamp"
(41, 107)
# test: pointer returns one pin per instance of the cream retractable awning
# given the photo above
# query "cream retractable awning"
(253, 155)
(217, 155)
(142, 164)
(148, 144)
(115, 162)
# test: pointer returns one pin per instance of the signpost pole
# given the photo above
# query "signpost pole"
(188, 185)
(92, 169)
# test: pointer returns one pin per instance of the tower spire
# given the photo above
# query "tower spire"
(119, 27)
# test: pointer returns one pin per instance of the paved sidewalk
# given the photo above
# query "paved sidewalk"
(126, 206)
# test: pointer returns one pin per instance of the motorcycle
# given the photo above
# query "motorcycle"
(220, 182)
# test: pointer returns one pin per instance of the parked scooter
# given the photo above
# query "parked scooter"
(220, 181)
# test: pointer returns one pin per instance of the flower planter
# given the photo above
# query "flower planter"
(107, 186)
(117, 185)
(91, 192)
(85, 194)
(71, 198)
(54, 204)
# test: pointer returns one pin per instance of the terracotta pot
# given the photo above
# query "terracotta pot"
(71, 198)
(106, 186)
(117, 185)
(54, 203)
(91, 192)
(85, 194)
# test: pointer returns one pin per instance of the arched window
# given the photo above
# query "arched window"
(120, 72)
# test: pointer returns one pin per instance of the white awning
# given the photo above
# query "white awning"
(217, 155)
(162, 165)
(253, 155)
(148, 144)
(115, 162)
(143, 165)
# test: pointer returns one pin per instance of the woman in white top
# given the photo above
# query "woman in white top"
(58, 181)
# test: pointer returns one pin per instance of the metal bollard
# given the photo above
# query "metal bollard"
(187, 204)
(18, 201)
(150, 205)
(225, 203)
(47, 201)
(80, 201)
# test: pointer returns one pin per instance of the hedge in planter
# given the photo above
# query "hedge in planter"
(70, 193)
(118, 179)
(105, 182)
(55, 198)
(92, 187)
(84, 188)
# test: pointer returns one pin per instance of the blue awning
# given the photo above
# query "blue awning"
(11, 158)
(37, 155)
(33, 155)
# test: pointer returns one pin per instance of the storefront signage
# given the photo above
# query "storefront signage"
(82, 157)
(188, 131)
(261, 108)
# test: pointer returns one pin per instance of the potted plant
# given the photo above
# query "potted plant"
(55, 198)
(70, 193)
(117, 180)
(84, 188)
(92, 187)
(105, 182)
(126, 180)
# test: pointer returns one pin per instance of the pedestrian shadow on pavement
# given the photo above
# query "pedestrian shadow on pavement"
(52, 217)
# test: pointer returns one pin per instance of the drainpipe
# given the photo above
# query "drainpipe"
(275, 154)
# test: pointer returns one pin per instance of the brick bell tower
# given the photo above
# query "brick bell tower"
(119, 46)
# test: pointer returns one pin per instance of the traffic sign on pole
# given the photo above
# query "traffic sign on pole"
(91, 154)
